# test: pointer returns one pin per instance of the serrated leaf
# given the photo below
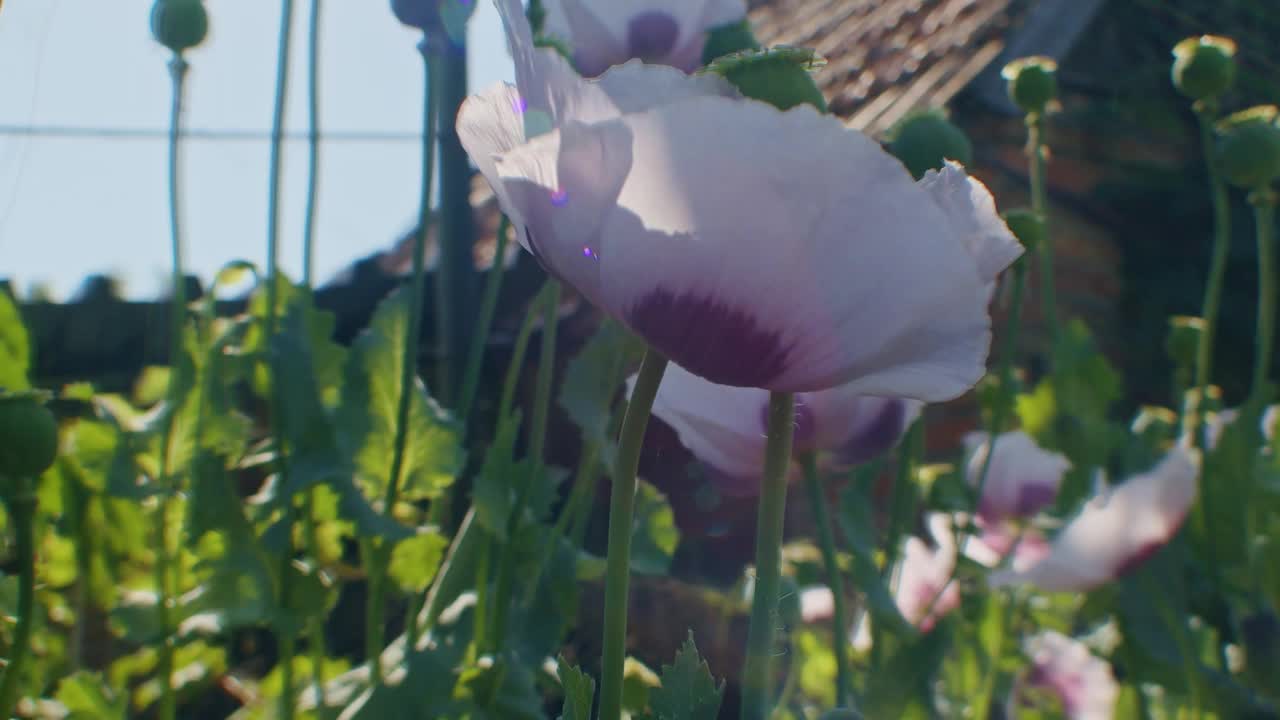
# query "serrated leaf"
(414, 561)
(654, 536)
(579, 692)
(15, 348)
(316, 328)
(367, 416)
(688, 691)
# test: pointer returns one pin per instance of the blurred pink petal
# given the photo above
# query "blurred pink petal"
(925, 591)
(997, 540)
(817, 604)
(724, 426)
(1082, 683)
(665, 32)
(1115, 530)
(1022, 479)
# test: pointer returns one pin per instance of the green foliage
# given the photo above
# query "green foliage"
(15, 348)
(655, 536)
(367, 415)
(579, 691)
(592, 381)
(688, 691)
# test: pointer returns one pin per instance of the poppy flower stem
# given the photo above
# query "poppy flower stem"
(1040, 203)
(1217, 262)
(488, 308)
(1264, 207)
(22, 511)
(822, 518)
(621, 509)
(757, 674)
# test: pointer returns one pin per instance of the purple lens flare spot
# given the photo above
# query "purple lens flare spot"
(560, 197)
(588, 252)
(519, 105)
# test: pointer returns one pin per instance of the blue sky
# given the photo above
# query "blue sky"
(71, 206)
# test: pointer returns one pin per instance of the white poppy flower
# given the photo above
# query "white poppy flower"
(1064, 667)
(1116, 530)
(601, 33)
(725, 426)
(753, 247)
(1022, 479)
(924, 590)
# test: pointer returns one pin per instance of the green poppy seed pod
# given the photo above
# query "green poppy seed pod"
(1183, 341)
(780, 76)
(28, 436)
(179, 24)
(1248, 151)
(1033, 82)
(925, 141)
(1027, 225)
(1204, 67)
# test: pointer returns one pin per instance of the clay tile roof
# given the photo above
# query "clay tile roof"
(886, 58)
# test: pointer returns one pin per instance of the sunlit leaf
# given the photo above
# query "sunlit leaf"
(15, 349)
(654, 536)
(368, 415)
(414, 561)
(579, 691)
(593, 381)
(87, 697)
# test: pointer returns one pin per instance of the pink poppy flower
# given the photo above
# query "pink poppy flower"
(1116, 530)
(1022, 478)
(753, 247)
(602, 33)
(1081, 683)
(924, 590)
(725, 426)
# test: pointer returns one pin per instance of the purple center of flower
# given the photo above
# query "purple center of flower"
(652, 35)
(1033, 497)
(877, 437)
(708, 338)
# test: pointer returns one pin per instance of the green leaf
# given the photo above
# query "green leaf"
(593, 381)
(367, 416)
(654, 536)
(688, 690)
(87, 697)
(414, 561)
(579, 692)
(493, 493)
(15, 348)
(316, 327)
(214, 504)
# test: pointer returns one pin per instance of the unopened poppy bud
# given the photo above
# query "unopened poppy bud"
(179, 24)
(1204, 67)
(1248, 151)
(926, 141)
(1027, 225)
(1033, 82)
(1183, 341)
(729, 39)
(28, 435)
(779, 76)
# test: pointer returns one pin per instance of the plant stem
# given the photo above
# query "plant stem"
(377, 556)
(1264, 206)
(315, 642)
(456, 267)
(286, 640)
(22, 511)
(902, 501)
(621, 509)
(177, 313)
(480, 334)
(1040, 203)
(1000, 413)
(537, 446)
(757, 674)
(1217, 262)
(822, 518)
(313, 143)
